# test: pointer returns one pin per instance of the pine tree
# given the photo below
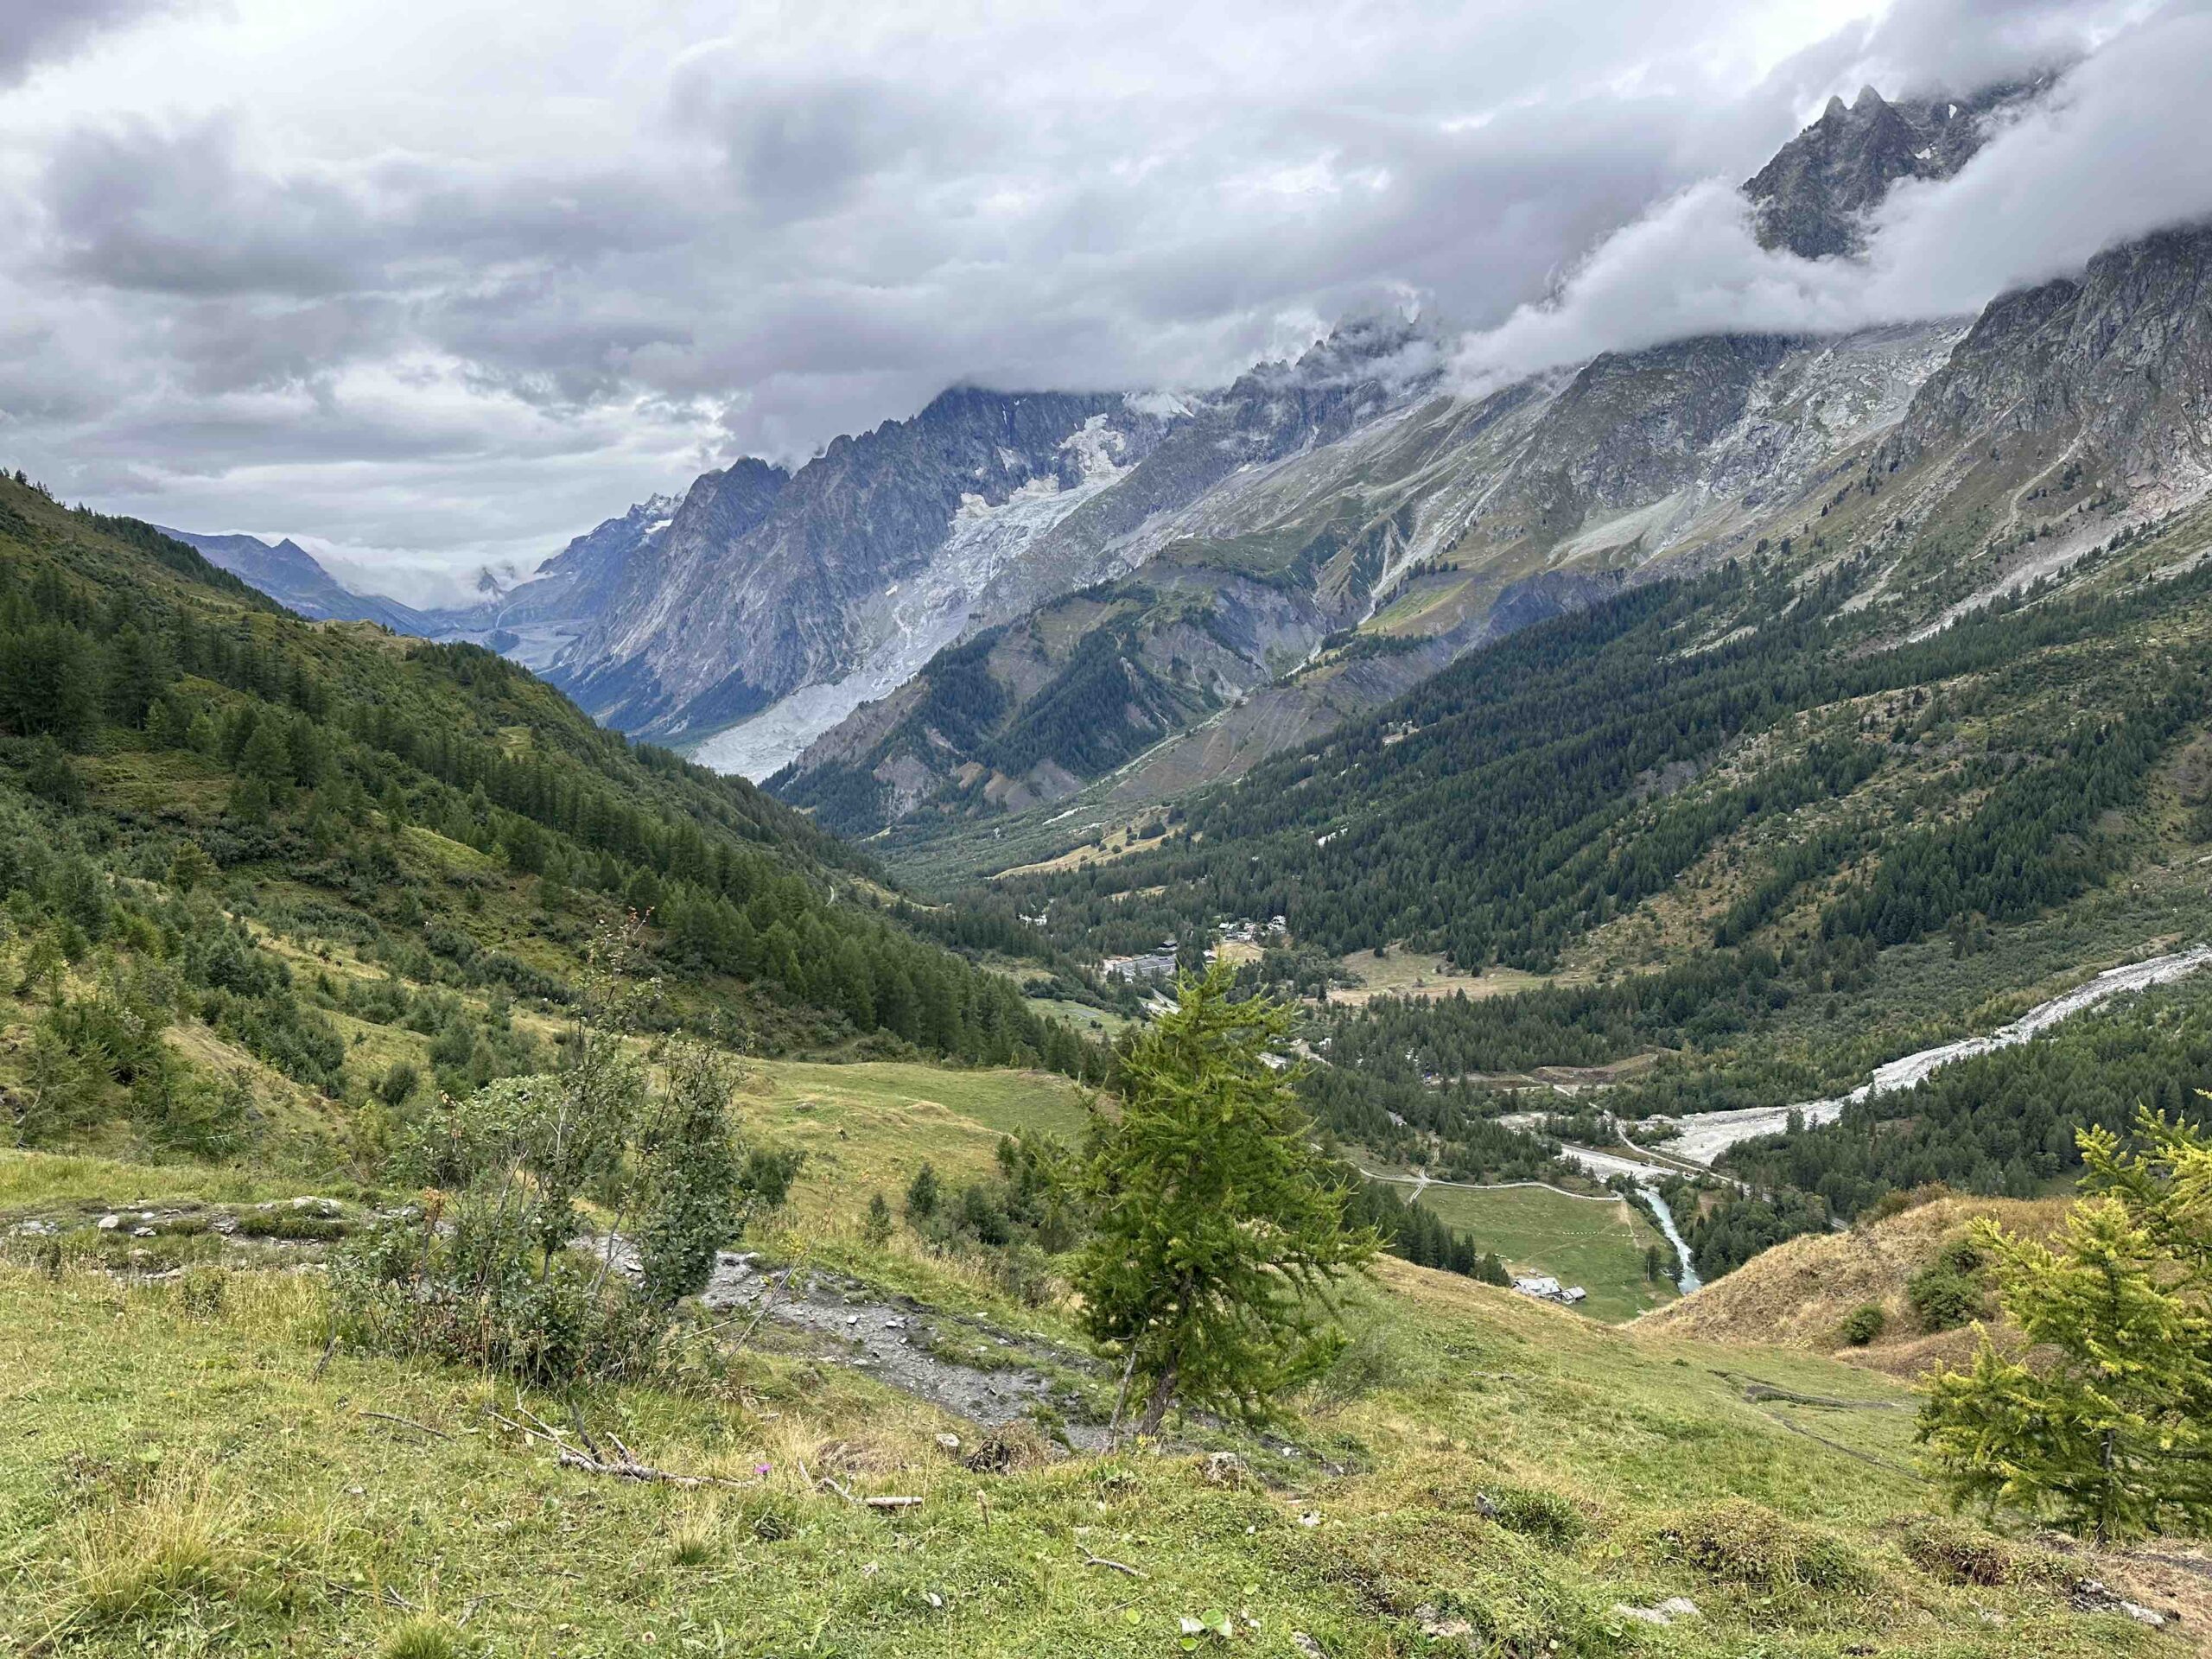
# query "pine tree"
(266, 759)
(190, 866)
(1220, 1230)
(876, 1229)
(922, 1195)
(2106, 1429)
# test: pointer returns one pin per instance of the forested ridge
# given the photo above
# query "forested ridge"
(1538, 787)
(189, 775)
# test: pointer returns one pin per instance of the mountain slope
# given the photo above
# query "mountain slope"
(1314, 591)
(290, 575)
(766, 582)
(534, 621)
(205, 788)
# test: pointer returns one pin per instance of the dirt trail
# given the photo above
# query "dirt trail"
(910, 1346)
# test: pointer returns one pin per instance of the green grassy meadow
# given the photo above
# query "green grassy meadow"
(178, 1475)
(1598, 1246)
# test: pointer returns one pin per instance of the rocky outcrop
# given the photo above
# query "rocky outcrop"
(2114, 366)
(1815, 196)
(764, 582)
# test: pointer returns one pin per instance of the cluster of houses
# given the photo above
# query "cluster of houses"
(1149, 964)
(1545, 1289)
(1160, 963)
(1245, 931)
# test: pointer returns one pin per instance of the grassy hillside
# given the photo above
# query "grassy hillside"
(1803, 1293)
(1485, 1475)
(1578, 1241)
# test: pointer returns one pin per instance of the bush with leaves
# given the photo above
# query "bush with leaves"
(1947, 1293)
(1863, 1323)
(2100, 1419)
(490, 1270)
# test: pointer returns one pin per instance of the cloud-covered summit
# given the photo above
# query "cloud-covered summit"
(440, 289)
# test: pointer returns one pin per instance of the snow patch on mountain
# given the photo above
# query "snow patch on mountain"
(913, 619)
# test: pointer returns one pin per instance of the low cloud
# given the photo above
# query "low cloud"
(2113, 152)
(34, 32)
(432, 283)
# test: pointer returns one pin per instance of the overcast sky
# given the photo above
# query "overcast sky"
(429, 284)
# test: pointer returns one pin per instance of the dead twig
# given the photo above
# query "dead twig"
(628, 1468)
(591, 1445)
(846, 1492)
(407, 1422)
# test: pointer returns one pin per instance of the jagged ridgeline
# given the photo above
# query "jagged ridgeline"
(209, 806)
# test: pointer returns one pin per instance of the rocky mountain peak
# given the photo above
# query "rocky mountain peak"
(1813, 197)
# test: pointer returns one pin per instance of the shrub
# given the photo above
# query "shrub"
(486, 1273)
(1738, 1541)
(1896, 1201)
(1947, 1293)
(397, 1082)
(1545, 1517)
(1864, 1322)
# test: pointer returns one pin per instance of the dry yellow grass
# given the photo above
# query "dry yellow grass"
(1423, 974)
(1799, 1293)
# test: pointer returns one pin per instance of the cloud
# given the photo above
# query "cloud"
(2115, 151)
(33, 32)
(405, 276)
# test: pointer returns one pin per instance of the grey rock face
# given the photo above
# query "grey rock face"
(1474, 518)
(2118, 361)
(1814, 196)
(753, 590)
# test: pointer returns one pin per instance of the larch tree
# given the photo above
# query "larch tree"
(2101, 1421)
(1221, 1230)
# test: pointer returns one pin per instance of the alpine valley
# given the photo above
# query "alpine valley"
(1388, 1009)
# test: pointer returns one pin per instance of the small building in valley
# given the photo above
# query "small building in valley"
(1545, 1289)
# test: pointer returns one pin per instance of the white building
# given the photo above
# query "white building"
(1545, 1289)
